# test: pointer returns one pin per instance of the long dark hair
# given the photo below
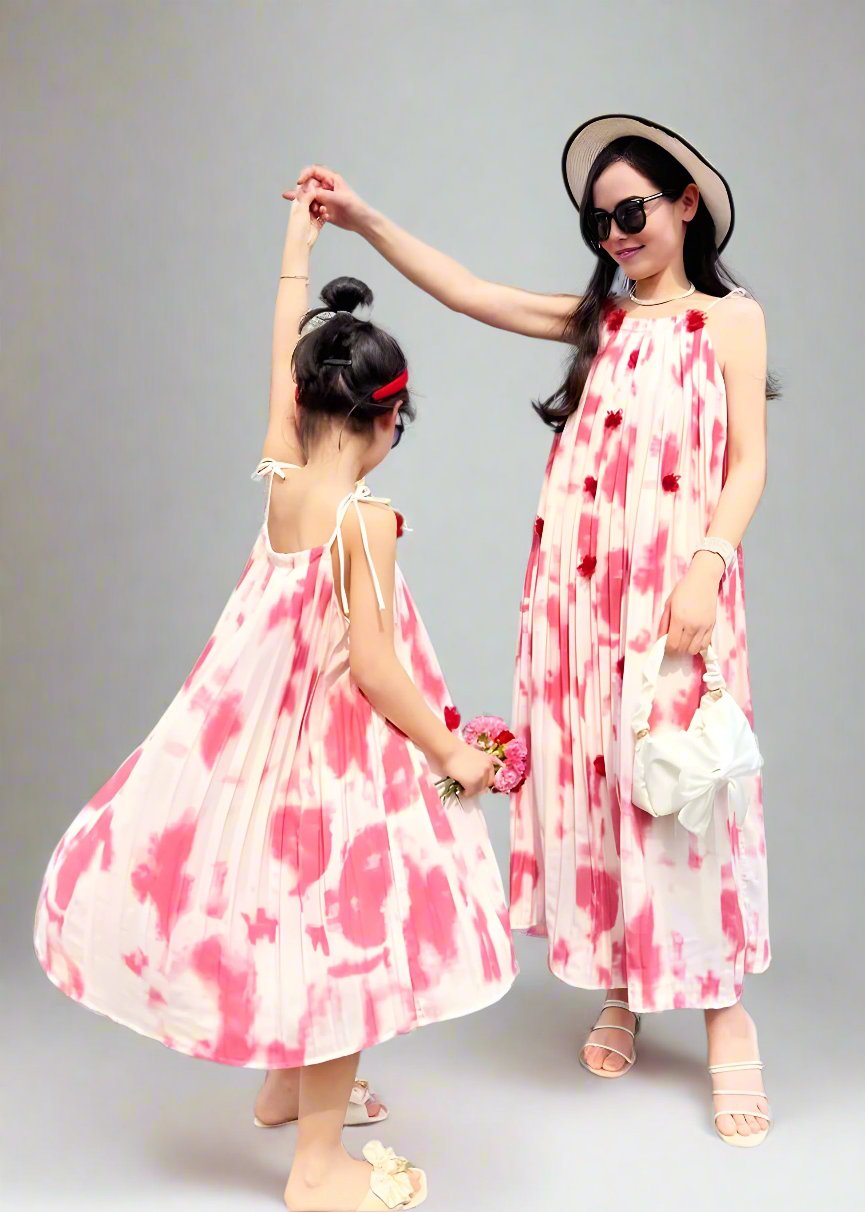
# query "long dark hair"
(703, 267)
(338, 365)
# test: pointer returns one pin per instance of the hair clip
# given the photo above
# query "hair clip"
(336, 361)
(317, 321)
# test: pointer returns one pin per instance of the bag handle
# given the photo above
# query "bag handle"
(713, 678)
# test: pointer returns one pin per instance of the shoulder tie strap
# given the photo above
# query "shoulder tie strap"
(361, 492)
(271, 466)
(739, 290)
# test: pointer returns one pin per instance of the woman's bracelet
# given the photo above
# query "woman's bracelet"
(721, 547)
(302, 277)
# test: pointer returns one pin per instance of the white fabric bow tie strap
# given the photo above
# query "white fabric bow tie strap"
(390, 1179)
(360, 493)
(275, 466)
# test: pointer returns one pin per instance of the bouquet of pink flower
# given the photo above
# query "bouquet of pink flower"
(491, 735)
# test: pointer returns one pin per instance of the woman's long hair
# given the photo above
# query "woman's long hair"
(703, 267)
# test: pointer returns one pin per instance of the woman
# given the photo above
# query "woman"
(656, 469)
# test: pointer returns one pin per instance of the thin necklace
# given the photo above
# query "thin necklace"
(657, 302)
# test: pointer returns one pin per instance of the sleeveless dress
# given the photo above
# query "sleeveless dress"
(270, 878)
(631, 485)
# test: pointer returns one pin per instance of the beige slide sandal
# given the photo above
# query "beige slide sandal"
(390, 1184)
(356, 1114)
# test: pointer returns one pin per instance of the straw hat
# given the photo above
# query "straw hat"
(588, 140)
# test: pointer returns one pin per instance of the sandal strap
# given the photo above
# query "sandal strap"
(728, 1068)
(610, 1048)
(617, 1005)
(742, 1111)
(389, 1179)
(754, 1093)
(612, 1027)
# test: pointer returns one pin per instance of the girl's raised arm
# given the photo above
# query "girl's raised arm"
(507, 307)
(281, 441)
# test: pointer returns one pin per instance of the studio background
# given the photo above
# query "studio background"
(145, 149)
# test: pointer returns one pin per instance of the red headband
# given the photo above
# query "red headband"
(391, 389)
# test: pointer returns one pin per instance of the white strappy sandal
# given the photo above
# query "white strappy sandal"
(390, 1185)
(599, 1026)
(736, 1138)
(356, 1114)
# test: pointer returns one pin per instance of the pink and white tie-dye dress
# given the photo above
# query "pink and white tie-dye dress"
(632, 483)
(270, 878)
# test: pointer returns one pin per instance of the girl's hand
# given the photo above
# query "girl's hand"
(304, 226)
(470, 767)
(691, 609)
(333, 200)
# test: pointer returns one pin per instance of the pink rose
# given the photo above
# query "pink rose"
(492, 725)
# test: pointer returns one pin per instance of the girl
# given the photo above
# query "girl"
(656, 468)
(270, 879)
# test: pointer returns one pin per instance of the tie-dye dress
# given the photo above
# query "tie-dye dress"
(270, 878)
(631, 485)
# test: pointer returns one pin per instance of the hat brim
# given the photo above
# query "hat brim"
(590, 139)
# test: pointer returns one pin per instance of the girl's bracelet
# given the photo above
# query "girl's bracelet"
(301, 277)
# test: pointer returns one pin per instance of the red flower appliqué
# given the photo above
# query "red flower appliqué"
(670, 482)
(694, 319)
(400, 523)
(613, 419)
(591, 485)
(614, 318)
(600, 765)
(587, 566)
(452, 718)
(539, 526)
(632, 360)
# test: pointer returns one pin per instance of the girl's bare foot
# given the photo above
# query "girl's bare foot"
(331, 1181)
(277, 1100)
(732, 1036)
(599, 1058)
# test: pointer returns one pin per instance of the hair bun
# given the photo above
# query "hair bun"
(346, 294)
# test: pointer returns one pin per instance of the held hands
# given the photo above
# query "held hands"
(332, 199)
(304, 226)
(472, 768)
(691, 609)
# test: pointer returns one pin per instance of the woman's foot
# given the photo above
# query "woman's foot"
(732, 1037)
(601, 1059)
(333, 1181)
(277, 1100)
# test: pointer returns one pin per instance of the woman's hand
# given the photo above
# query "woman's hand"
(304, 226)
(691, 609)
(473, 769)
(333, 200)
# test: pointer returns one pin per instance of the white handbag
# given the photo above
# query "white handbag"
(682, 770)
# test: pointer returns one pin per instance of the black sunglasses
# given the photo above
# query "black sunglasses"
(630, 216)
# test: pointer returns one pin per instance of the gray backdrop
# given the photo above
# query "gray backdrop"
(145, 149)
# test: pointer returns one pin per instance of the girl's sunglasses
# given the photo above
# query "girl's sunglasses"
(630, 216)
(398, 429)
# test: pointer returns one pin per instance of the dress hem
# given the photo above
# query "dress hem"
(755, 969)
(310, 1060)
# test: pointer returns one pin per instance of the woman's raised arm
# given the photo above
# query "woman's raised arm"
(508, 307)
